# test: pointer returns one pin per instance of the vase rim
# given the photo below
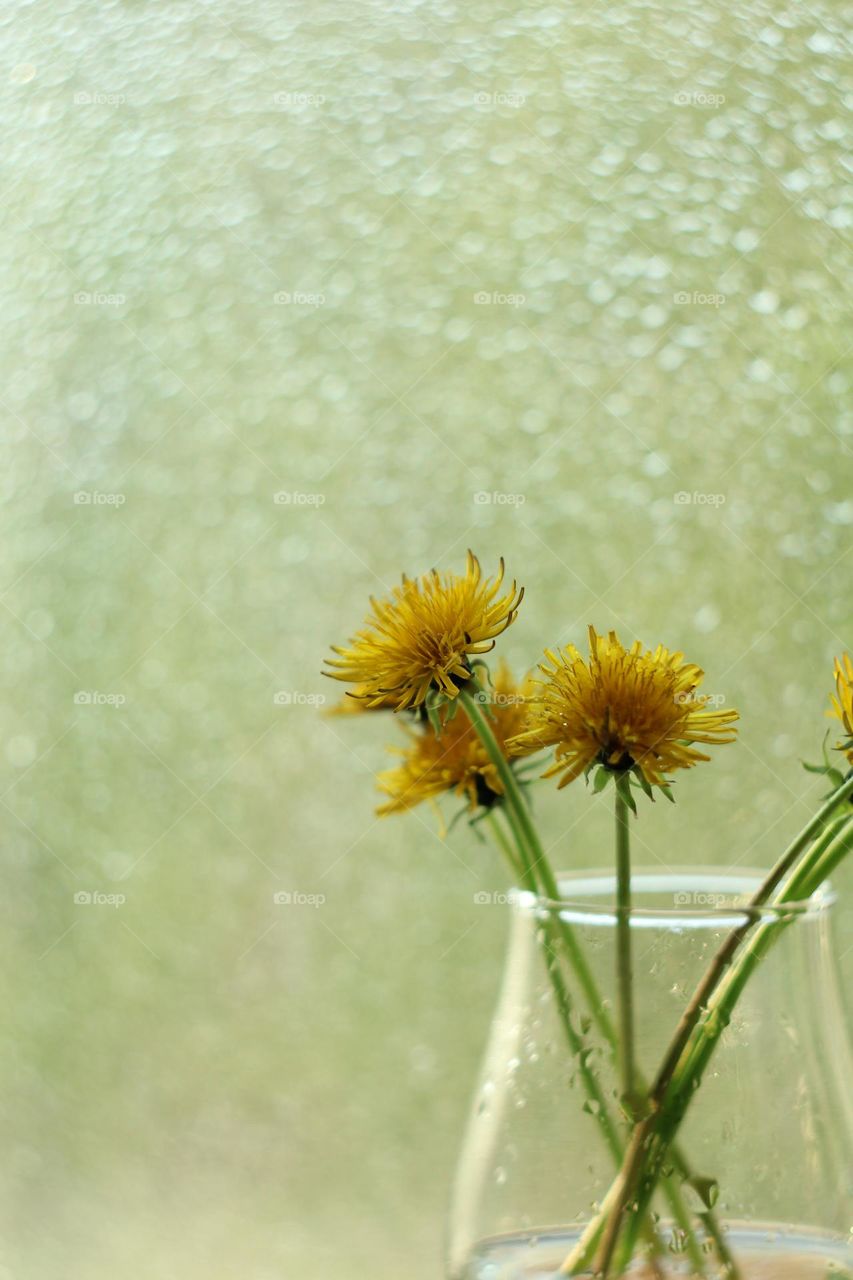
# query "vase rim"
(702, 897)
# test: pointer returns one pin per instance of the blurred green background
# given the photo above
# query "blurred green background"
(298, 297)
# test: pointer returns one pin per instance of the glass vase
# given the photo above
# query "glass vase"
(761, 1186)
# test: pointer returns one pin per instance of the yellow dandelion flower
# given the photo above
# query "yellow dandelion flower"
(456, 760)
(624, 709)
(842, 703)
(423, 636)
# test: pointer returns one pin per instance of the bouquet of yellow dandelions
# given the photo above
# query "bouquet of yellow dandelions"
(632, 717)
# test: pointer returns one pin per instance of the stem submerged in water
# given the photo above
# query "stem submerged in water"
(727, 951)
(694, 1042)
(624, 972)
(536, 876)
(652, 1139)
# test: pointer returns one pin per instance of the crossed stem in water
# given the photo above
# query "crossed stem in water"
(808, 860)
(538, 878)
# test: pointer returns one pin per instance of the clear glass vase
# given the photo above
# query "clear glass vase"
(764, 1153)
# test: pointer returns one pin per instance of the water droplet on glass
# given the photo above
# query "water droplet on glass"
(701, 1192)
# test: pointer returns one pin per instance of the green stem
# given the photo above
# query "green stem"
(577, 1045)
(528, 839)
(820, 862)
(533, 860)
(727, 951)
(576, 1042)
(652, 1136)
(505, 846)
(624, 972)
